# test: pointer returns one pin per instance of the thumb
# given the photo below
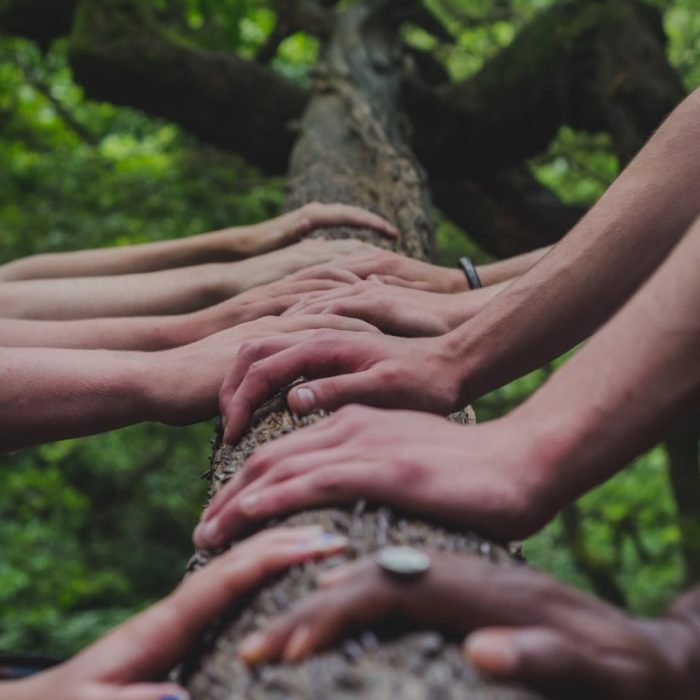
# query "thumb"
(541, 657)
(333, 392)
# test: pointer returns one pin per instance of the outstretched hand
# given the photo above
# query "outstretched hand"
(346, 367)
(413, 461)
(402, 311)
(294, 225)
(129, 663)
(395, 269)
(524, 627)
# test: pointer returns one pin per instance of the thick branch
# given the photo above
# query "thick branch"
(119, 53)
(506, 213)
(591, 64)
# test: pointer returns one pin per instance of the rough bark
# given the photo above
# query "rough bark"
(350, 149)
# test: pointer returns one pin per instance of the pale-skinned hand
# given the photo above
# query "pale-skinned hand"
(524, 627)
(396, 269)
(266, 300)
(396, 310)
(183, 383)
(294, 225)
(416, 462)
(130, 662)
(376, 370)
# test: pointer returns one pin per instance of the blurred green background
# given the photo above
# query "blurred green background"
(94, 529)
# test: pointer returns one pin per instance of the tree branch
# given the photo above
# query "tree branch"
(593, 65)
(119, 53)
(507, 213)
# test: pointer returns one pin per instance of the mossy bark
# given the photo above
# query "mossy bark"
(350, 149)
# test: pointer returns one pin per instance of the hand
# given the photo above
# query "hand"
(531, 629)
(182, 384)
(266, 300)
(396, 269)
(397, 310)
(128, 663)
(296, 224)
(377, 370)
(273, 266)
(413, 461)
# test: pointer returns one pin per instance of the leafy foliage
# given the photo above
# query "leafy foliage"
(94, 529)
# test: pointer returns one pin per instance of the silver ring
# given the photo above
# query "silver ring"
(403, 562)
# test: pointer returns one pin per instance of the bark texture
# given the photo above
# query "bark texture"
(350, 149)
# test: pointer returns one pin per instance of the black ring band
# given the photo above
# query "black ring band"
(470, 271)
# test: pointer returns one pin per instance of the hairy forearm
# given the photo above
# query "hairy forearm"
(217, 246)
(55, 394)
(506, 270)
(624, 389)
(586, 277)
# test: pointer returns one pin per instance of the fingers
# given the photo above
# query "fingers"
(265, 366)
(348, 215)
(323, 617)
(152, 642)
(399, 282)
(340, 482)
(302, 442)
(548, 659)
(333, 392)
(327, 272)
(325, 321)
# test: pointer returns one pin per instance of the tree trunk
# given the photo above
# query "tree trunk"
(350, 149)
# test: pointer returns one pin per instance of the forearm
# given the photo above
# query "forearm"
(217, 246)
(163, 292)
(623, 390)
(586, 277)
(144, 294)
(57, 394)
(506, 270)
(145, 333)
(463, 306)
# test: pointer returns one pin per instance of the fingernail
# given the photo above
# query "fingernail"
(327, 541)
(207, 532)
(297, 646)
(491, 653)
(253, 648)
(249, 503)
(305, 398)
(184, 695)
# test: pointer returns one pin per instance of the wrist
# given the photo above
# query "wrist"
(456, 280)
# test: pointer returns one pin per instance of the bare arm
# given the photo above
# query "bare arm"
(218, 246)
(508, 269)
(53, 394)
(615, 398)
(583, 280)
(149, 333)
(164, 292)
